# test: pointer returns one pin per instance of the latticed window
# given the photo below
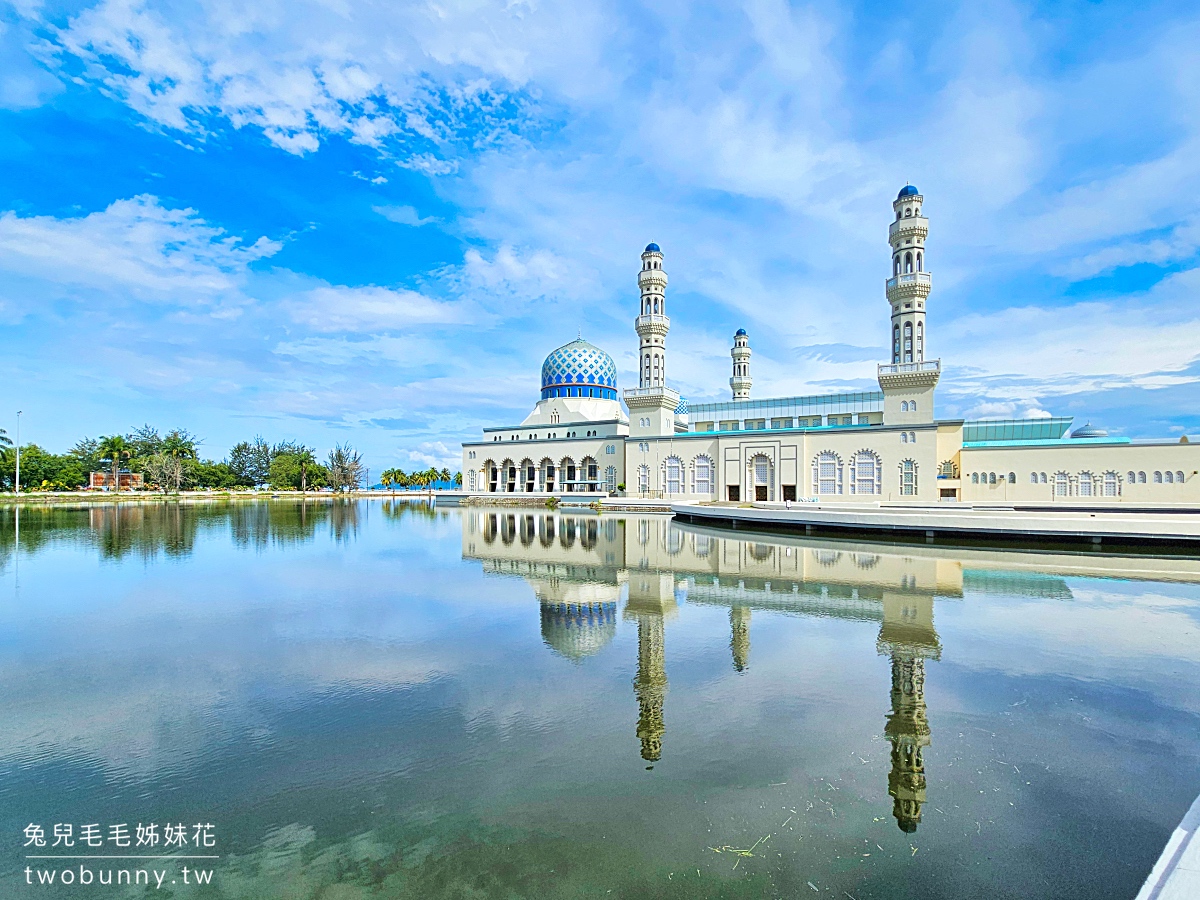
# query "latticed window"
(673, 475)
(865, 474)
(908, 478)
(1062, 485)
(703, 475)
(1085, 484)
(761, 470)
(610, 478)
(643, 478)
(827, 474)
(1112, 485)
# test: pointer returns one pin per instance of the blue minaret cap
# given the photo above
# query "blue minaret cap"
(652, 248)
(907, 191)
(740, 331)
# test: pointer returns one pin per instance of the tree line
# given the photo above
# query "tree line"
(172, 462)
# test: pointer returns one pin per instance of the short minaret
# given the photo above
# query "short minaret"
(908, 381)
(741, 380)
(652, 404)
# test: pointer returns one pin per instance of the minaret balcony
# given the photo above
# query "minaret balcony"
(913, 228)
(652, 323)
(908, 286)
(652, 276)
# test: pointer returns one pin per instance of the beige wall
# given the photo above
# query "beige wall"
(1076, 459)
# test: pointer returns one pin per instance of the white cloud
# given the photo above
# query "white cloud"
(369, 309)
(136, 247)
(403, 215)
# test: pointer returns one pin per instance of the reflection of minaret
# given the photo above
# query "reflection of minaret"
(739, 639)
(908, 637)
(651, 600)
(650, 686)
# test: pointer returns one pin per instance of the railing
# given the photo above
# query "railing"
(930, 365)
(910, 278)
(653, 319)
(649, 391)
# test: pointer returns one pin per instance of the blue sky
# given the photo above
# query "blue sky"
(370, 221)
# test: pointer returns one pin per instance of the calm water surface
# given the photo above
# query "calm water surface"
(377, 699)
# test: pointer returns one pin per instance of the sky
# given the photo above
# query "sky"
(369, 222)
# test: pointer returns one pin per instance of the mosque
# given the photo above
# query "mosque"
(858, 447)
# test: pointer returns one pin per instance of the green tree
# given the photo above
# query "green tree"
(345, 468)
(292, 471)
(393, 477)
(87, 452)
(458, 479)
(113, 449)
(250, 461)
(180, 445)
(143, 441)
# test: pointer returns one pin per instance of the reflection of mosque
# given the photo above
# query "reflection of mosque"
(580, 566)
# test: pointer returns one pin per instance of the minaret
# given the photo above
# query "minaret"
(652, 404)
(652, 322)
(741, 380)
(908, 381)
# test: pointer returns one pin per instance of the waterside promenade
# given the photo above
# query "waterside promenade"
(1175, 528)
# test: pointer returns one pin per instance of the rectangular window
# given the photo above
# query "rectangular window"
(781, 423)
(730, 426)
(756, 424)
(704, 426)
(789, 492)
(734, 492)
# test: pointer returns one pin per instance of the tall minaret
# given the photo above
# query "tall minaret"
(652, 404)
(741, 380)
(908, 288)
(652, 322)
(908, 381)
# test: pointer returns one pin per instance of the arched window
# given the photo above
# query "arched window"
(903, 406)
(1168, 477)
(1012, 477)
(1043, 478)
(1131, 477)
(912, 405)
(674, 468)
(1062, 485)
(1158, 477)
(1179, 479)
(920, 341)
(918, 261)
(908, 342)
(1033, 477)
(865, 473)
(896, 343)
(991, 477)
(1141, 477)
(896, 265)
(827, 473)
(1112, 484)
(610, 478)
(908, 213)
(703, 473)
(1085, 484)
(908, 478)
(974, 478)
(908, 262)
(904, 437)
(643, 478)
(471, 480)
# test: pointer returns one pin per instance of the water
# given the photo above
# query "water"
(377, 699)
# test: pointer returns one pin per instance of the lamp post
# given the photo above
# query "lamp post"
(18, 478)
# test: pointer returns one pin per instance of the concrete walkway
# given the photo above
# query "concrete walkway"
(1176, 875)
(1179, 529)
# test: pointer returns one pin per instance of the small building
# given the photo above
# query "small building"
(103, 480)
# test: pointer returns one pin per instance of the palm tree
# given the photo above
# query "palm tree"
(113, 448)
(305, 457)
(444, 475)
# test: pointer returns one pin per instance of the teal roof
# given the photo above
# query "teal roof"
(1048, 428)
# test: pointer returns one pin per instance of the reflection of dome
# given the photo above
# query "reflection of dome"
(578, 630)
(652, 248)
(907, 191)
(1089, 431)
(579, 369)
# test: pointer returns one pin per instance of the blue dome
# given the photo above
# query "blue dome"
(652, 248)
(739, 332)
(682, 408)
(907, 191)
(579, 369)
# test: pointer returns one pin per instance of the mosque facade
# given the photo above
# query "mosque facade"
(587, 436)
